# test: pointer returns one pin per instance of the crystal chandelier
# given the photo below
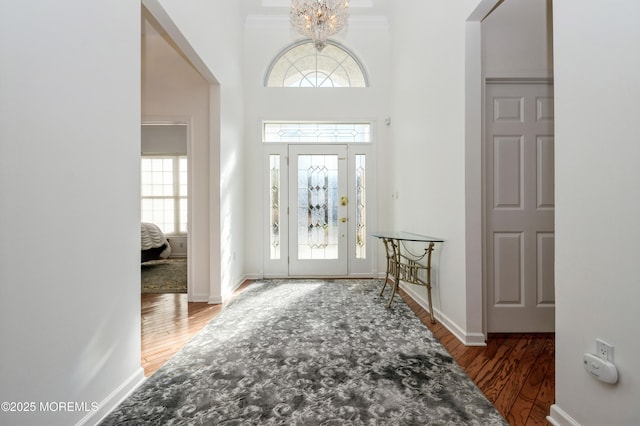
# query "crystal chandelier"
(319, 19)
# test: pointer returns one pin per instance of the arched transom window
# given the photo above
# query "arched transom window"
(301, 65)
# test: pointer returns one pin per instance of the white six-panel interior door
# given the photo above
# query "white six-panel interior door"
(519, 208)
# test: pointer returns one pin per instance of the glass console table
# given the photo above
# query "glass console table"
(403, 265)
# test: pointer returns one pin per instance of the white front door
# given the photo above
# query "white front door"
(318, 210)
(519, 202)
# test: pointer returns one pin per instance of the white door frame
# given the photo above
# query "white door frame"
(362, 266)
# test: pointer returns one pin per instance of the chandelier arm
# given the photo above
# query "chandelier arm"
(319, 19)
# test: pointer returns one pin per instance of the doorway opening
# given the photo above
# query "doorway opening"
(164, 203)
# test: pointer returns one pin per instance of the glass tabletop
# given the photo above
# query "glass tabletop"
(406, 236)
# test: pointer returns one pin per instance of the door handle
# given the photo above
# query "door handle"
(343, 219)
(343, 201)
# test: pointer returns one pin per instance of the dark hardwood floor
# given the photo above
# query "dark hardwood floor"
(515, 371)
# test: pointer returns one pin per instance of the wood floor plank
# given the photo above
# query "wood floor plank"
(544, 398)
(457, 350)
(504, 402)
(519, 412)
(470, 353)
(537, 416)
(478, 363)
(490, 369)
(494, 381)
(534, 381)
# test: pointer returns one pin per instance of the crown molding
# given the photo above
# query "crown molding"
(287, 3)
(282, 21)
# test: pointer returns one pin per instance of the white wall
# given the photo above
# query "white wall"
(69, 252)
(173, 90)
(265, 37)
(69, 221)
(210, 34)
(428, 139)
(164, 138)
(517, 40)
(597, 79)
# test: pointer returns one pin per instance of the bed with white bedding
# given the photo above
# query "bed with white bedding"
(154, 244)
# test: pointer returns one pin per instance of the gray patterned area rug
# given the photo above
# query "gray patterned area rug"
(310, 353)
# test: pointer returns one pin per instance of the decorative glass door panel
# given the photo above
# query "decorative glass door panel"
(318, 210)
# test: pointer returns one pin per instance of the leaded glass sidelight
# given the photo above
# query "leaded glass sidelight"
(274, 203)
(361, 212)
(317, 206)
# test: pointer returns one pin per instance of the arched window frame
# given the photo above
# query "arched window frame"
(299, 43)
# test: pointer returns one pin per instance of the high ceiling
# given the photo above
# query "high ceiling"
(281, 7)
(256, 8)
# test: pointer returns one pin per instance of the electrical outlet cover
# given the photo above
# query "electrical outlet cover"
(604, 350)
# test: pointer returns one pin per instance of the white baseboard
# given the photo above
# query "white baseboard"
(254, 276)
(559, 417)
(107, 405)
(467, 339)
(214, 300)
(179, 244)
(238, 283)
(204, 297)
(362, 276)
(199, 297)
(475, 339)
(219, 299)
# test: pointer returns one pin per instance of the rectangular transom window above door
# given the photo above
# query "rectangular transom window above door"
(316, 132)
